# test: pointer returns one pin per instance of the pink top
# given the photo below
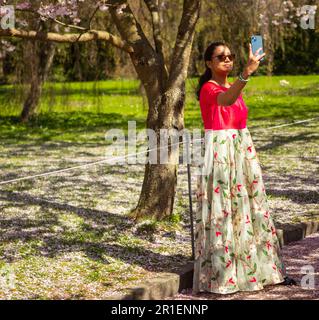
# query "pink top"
(216, 117)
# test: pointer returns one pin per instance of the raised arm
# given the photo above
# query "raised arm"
(229, 97)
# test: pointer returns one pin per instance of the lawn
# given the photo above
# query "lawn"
(79, 111)
(67, 236)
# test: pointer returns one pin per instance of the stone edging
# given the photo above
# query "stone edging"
(168, 284)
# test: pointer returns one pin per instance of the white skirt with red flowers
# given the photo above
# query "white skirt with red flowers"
(236, 244)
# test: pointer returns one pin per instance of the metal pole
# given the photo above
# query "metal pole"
(190, 195)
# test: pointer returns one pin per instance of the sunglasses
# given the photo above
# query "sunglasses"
(222, 57)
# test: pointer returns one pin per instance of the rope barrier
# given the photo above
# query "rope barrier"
(123, 157)
(284, 125)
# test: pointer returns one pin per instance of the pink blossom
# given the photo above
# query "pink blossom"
(23, 5)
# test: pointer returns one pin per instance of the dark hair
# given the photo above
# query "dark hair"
(207, 75)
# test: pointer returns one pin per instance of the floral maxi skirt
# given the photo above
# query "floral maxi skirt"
(236, 244)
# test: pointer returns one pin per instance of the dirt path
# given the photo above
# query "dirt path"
(296, 255)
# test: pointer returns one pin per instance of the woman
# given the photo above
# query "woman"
(236, 245)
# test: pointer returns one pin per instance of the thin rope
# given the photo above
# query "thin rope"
(289, 124)
(123, 157)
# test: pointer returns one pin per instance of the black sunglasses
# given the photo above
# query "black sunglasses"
(222, 57)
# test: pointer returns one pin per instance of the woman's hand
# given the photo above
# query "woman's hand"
(229, 97)
(252, 63)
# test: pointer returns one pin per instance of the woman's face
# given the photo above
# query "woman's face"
(219, 65)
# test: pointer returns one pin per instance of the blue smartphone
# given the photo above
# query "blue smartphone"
(256, 43)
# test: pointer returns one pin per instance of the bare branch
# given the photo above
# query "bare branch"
(152, 6)
(146, 61)
(126, 22)
(184, 40)
(145, 14)
(69, 37)
(92, 16)
(69, 25)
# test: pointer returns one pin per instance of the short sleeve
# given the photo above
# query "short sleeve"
(209, 93)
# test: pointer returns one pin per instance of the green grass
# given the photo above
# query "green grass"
(84, 111)
(60, 238)
(268, 100)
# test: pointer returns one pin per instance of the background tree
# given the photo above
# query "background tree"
(39, 56)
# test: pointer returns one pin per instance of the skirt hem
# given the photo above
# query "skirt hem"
(239, 290)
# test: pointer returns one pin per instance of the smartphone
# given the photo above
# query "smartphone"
(256, 43)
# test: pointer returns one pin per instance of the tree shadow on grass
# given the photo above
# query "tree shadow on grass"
(68, 89)
(54, 243)
(277, 142)
(300, 196)
(49, 126)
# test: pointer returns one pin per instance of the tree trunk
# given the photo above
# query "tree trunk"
(165, 90)
(158, 192)
(40, 58)
(32, 99)
(77, 62)
(2, 78)
(160, 180)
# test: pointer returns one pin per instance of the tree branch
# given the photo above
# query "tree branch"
(64, 24)
(146, 62)
(183, 44)
(69, 37)
(152, 6)
(92, 16)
